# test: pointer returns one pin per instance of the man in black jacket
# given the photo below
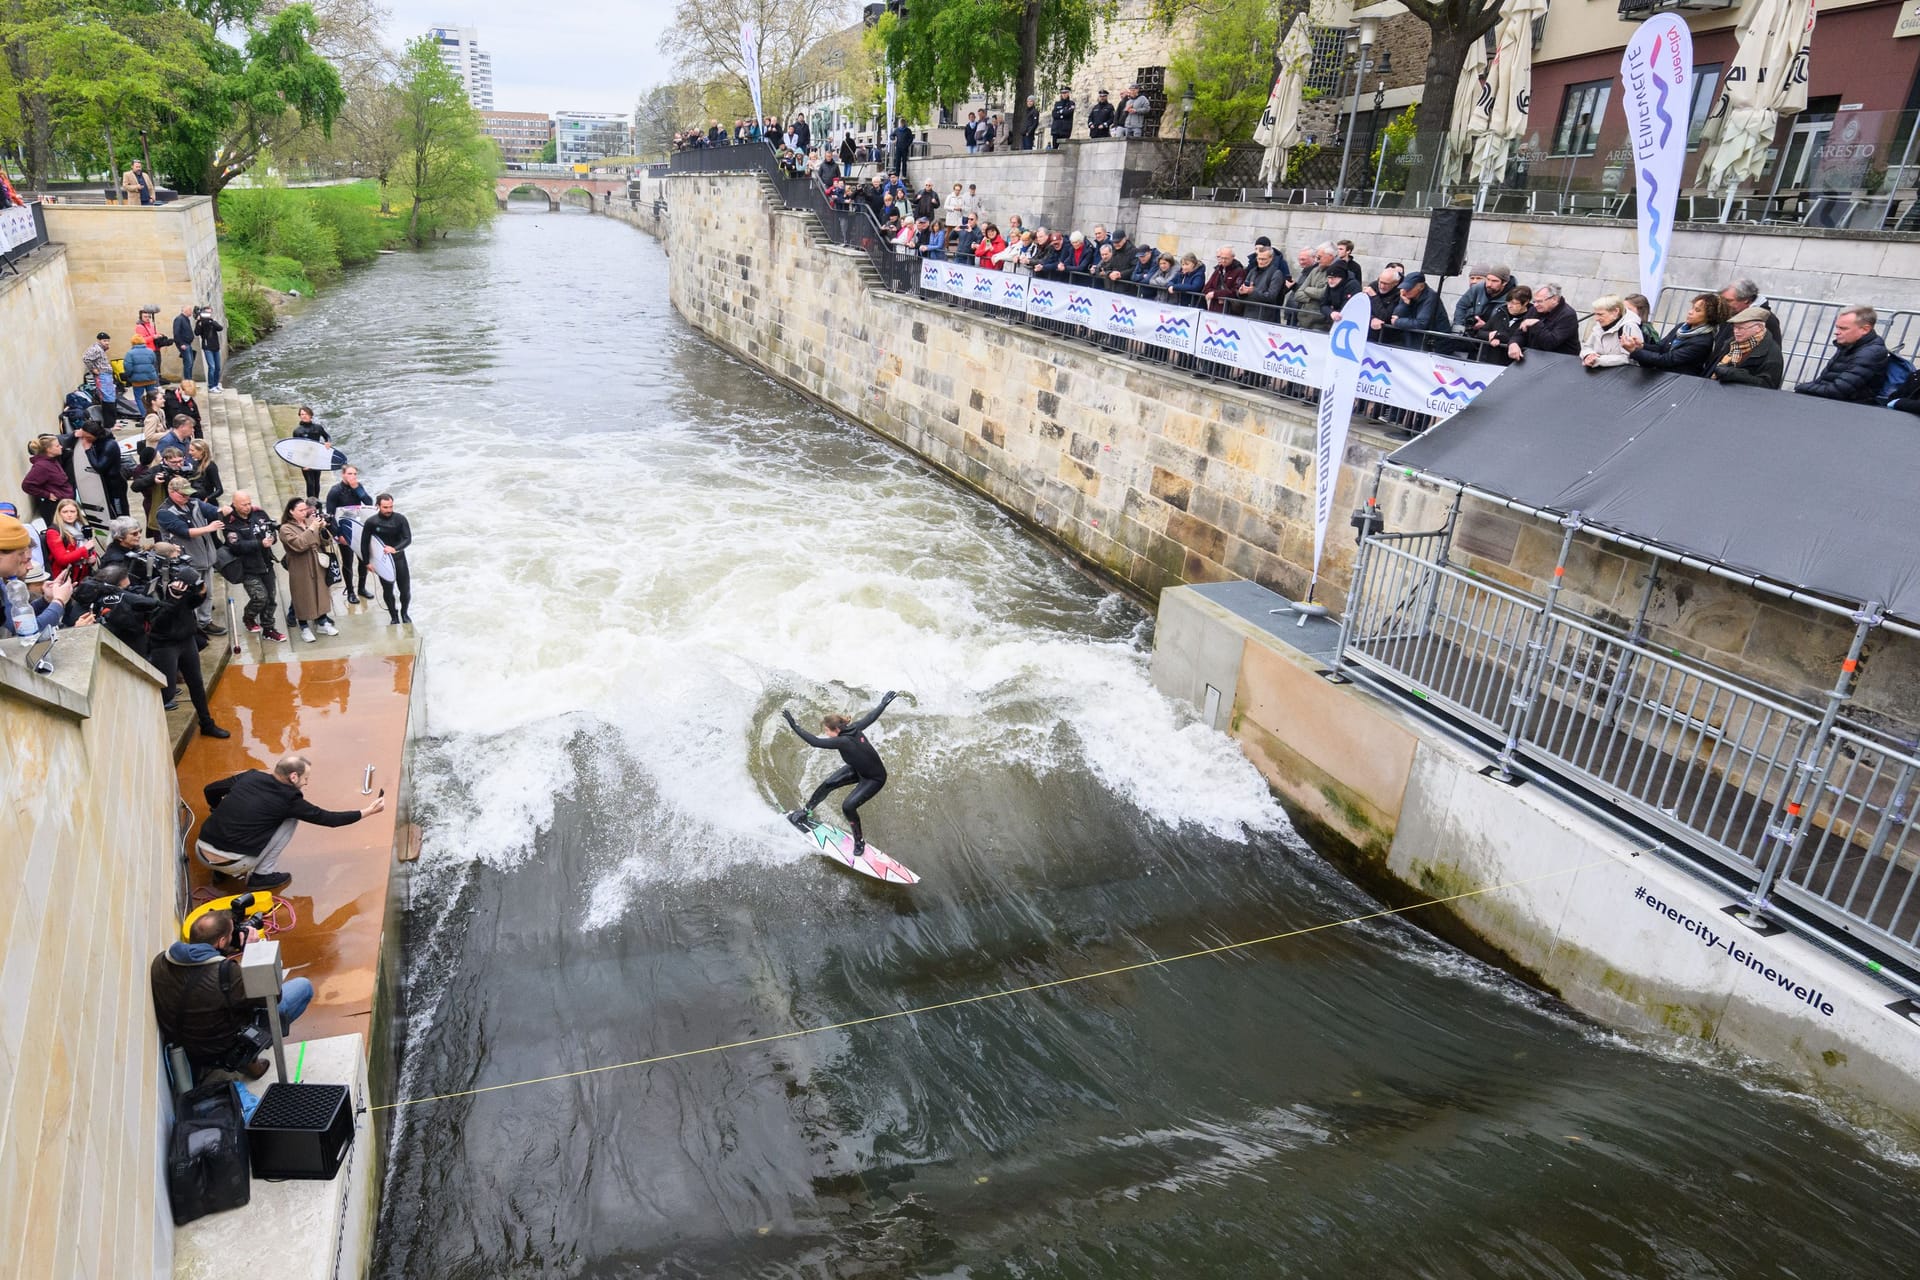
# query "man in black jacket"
(1752, 359)
(252, 817)
(201, 1005)
(1061, 126)
(1029, 124)
(1265, 282)
(902, 147)
(1552, 326)
(183, 339)
(173, 636)
(1859, 364)
(1100, 119)
(390, 529)
(250, 536)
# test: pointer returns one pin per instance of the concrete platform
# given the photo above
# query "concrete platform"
(298, 1230)
(346, 713)
(1600, 917)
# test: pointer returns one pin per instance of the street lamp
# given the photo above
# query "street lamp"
(1186, 109)
(1359, 41)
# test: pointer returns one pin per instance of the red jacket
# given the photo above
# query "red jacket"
(64, 553)
(984, 251)
(45, 478)
(1224, 284)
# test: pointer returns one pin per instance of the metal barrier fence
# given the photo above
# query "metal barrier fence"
(1805, 808)
(1806, 328)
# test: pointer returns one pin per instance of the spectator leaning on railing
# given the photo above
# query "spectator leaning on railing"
(1604, 346)
(1752, 356)
(1859, 363)
(1689, 347)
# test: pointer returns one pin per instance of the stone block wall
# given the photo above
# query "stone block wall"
(1150, 475)
(36, 315)
(1158, 479)
(1590, 257)
(123, 257)
(87, 886)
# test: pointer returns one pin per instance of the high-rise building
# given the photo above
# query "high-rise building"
(461, 52)
(581, 137)
(522, 135)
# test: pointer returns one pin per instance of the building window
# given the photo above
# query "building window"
(1700, 102)
(1329, 65)
(1581, 112)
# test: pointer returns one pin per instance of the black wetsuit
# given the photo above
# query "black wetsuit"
(860, 768)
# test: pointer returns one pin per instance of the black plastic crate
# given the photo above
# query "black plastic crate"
(300, 1131)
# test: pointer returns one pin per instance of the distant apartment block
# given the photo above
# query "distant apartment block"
(581, 137)
(461, 52)
(522, 135)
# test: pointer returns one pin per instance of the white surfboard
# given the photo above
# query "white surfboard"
(88, 491)
(834, 843)
(380, 560)
(310, 455)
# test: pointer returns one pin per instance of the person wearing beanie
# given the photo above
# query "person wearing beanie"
(17, 605)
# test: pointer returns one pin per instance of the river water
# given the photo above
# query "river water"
(631, 552)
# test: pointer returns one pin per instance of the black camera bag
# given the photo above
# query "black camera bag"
(207, 1168)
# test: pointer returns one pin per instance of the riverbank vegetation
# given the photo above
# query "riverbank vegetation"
(294, 240)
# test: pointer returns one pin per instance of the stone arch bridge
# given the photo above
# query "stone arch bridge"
(599, 190)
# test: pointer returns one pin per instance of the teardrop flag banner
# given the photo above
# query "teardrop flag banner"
(1656, 74)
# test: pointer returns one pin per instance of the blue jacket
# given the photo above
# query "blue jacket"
(140, 366)
(1194, 281)
(1423, 315)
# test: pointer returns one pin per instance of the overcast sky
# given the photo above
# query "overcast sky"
(554, 55)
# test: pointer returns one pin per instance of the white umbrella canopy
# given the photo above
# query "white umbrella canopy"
(1280, 125)
(1768, 79)
(1510, 86)
(1472, 99)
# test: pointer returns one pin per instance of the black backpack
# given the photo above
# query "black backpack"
(207, 1169)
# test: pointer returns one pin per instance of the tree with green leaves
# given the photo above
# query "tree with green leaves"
(112, 71)
(703, 39)
(251, 98)
(446, 164)
(940, 49)
(1229, 65)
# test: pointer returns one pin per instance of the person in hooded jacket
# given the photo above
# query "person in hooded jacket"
(1343, 286)
(201, 1003)
(141, 368)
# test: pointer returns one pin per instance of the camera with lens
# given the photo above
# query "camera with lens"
(249, 1043)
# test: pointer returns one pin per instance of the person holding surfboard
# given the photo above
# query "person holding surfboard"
(860, 767)
(311, 430)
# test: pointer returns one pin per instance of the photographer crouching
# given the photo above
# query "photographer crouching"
(201, 1006)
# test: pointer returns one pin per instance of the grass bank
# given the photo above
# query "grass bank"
(281, 239)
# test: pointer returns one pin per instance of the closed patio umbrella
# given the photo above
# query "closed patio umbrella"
(1472, 100)
(1510, 90)
(1280, 124)
(1768, 79)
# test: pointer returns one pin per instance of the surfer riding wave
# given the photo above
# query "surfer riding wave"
(860, 767)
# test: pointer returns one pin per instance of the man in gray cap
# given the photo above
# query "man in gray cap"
(1752, 358)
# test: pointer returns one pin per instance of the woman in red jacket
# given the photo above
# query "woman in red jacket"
(70, 543)
(991, 243)
(46, 481)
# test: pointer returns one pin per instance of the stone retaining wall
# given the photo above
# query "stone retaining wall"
(36, 317)
(87, 875)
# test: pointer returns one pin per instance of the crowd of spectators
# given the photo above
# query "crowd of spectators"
(1732, 337)
(145, 565)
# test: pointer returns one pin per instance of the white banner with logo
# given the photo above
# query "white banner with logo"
(1656, 74)
(16, 227)
(1347, 348)
(750, 60)
(1393, 376)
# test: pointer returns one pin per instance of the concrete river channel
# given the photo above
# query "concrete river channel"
(631, 552)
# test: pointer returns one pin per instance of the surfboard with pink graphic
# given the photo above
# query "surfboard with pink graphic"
(838, 845)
